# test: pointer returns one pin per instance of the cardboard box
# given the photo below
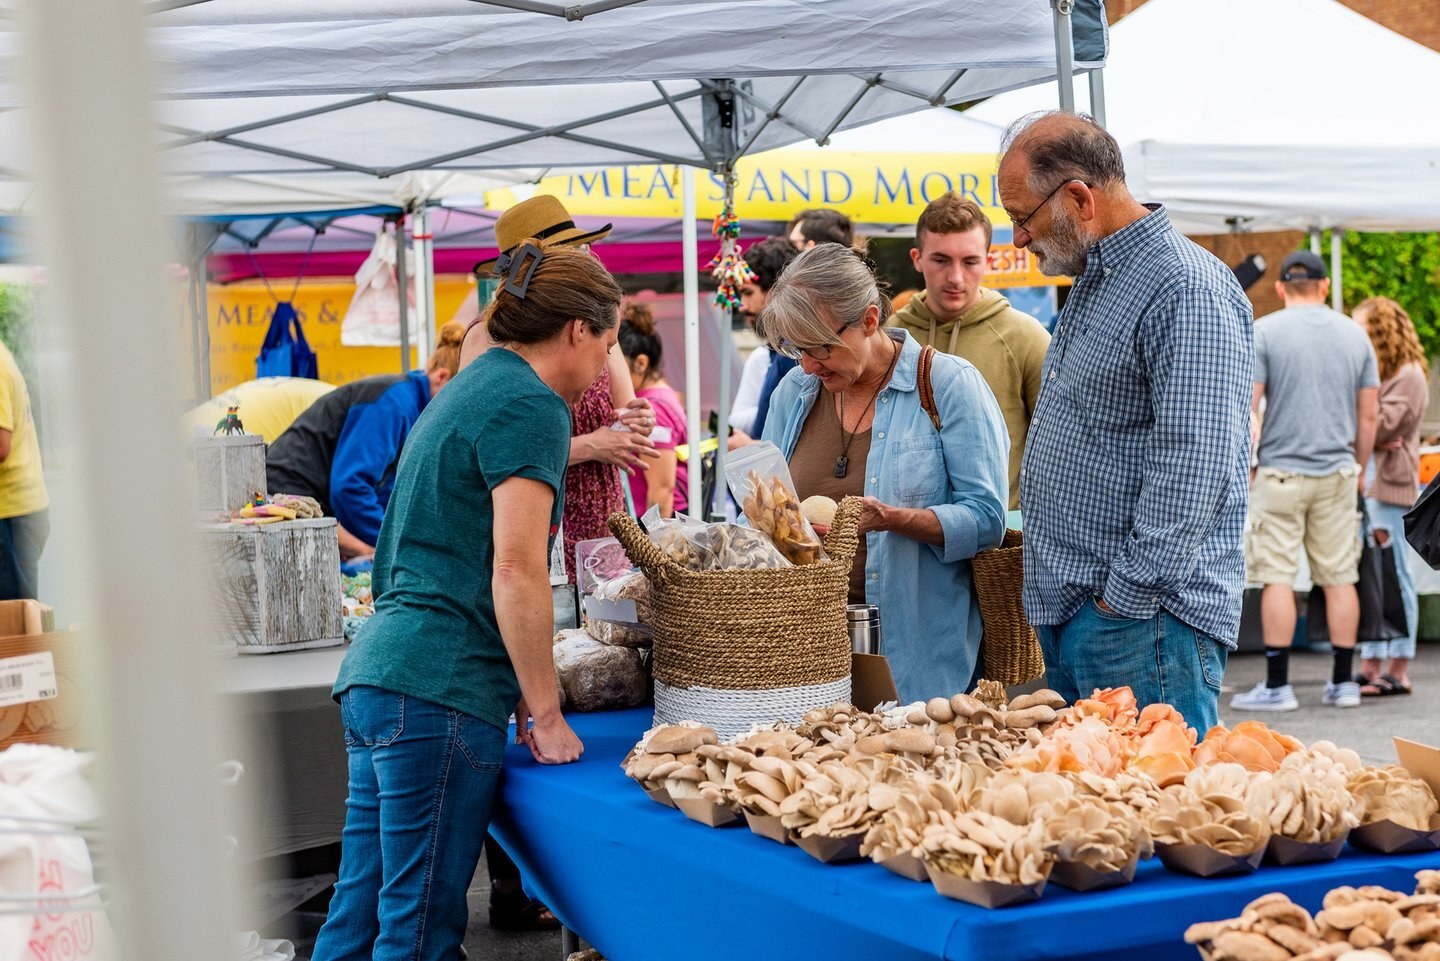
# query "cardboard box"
(907, 866)
(40, 698)
(770, 827)
(707, 813)
(1387, 837)
(828, 850)
(870, 681)
(1283, 850)
(1206, 862)
(1081, 877)
(985, 894)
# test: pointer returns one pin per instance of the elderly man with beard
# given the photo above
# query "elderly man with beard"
(1135, 474)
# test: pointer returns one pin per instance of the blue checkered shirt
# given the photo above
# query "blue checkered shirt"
(1135, 475)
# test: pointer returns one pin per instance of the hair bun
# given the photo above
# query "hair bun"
(640, 316)
(452, 334)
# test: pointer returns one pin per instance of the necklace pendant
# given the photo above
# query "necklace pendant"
(842, 465)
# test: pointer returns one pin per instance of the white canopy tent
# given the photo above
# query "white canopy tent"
(277, 107)
(1237, 116)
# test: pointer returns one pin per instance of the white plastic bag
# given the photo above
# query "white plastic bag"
(373, 317)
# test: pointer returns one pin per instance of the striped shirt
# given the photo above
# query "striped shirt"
(1135, 477)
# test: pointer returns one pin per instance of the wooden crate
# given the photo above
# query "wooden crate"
(229, 471)
(275, 587)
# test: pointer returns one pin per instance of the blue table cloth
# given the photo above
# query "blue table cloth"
(642, 882)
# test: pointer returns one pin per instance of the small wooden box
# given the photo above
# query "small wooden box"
(276, 587)
(229, 471)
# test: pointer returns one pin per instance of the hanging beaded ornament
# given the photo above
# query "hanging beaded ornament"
(728, 266)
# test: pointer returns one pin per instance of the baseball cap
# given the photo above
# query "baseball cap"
(1302, 265)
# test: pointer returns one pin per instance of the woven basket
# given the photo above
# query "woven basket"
(1009, 649)
(741, 647)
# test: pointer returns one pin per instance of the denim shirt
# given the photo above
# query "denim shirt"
(928, 611)
(1135, 476)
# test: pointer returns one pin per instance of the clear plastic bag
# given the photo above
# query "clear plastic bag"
(618, 611)
(599, 677)
(712, 547)
(760, 481)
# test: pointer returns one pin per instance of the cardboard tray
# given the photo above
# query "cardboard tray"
(1206, 862)
(1081, 877)
(907, 866)
(986, 894)
(660, 796)
(769, 826)
(1282, 850)
(832, 850)
(706, 812)
(1387, 837)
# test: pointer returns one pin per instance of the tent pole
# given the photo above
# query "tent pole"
(1315, 241)
(193, 308)
(402, 276)
(1097, 96)
(725, 344)
(1337, 299)
(691, 266)
(425, 278)
(200, 275)
(154, 717)
(1064, 53)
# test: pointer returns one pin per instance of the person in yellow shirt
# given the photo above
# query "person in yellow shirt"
(956, 315)
(24, 502)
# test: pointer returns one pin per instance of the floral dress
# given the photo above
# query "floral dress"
(592, 489)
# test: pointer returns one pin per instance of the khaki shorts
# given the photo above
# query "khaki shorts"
(1288, 510)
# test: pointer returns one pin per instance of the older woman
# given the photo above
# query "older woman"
(1404, 395)
(850, 421)
(462, 628)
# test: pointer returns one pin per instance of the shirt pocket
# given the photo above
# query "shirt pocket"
(917, 472)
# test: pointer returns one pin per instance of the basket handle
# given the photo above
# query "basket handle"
(843, 539)
(639, 547)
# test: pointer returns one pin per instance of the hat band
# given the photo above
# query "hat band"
(554, 229)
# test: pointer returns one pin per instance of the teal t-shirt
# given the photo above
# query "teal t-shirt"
(434, 635)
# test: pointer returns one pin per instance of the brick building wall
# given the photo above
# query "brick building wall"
(1417, 19)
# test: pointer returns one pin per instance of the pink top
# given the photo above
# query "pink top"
(669, 434)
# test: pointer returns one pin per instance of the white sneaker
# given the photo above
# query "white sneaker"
(1344, 694)
(1262, 698)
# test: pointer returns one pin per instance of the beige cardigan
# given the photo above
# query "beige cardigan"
(1403, 399)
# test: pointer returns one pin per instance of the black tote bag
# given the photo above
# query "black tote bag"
(1422, 524)
(1382, 607)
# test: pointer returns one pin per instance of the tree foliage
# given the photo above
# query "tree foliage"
(17, 327)
(1403, 267)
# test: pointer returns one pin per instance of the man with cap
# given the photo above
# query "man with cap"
(1316, 371)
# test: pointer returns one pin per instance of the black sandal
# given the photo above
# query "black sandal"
(1383, 686)
(516, 911)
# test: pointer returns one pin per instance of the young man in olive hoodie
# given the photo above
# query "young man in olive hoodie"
(958, 316)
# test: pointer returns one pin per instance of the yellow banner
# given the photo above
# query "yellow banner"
(870, 188)
(1010, 266)
(240, 315)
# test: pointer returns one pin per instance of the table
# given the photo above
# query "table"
(640, 881)
(290, 740)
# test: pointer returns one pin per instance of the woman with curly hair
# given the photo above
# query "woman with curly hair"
(1404, 395)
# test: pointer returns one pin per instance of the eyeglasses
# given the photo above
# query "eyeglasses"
(818, 352)
(1020, 224)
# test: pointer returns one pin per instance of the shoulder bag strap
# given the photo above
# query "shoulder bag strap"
(922, 383)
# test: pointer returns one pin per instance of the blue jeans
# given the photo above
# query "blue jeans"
(1390, 518)
(1161, 658)
(22, 539)
(423, 783)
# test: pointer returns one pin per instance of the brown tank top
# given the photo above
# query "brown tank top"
(812, 467)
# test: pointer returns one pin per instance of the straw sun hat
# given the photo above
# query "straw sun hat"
(543, 217)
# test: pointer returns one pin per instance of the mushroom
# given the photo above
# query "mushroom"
(679, 739)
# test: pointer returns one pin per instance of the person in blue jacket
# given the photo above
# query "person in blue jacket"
(851, 421)
(343, 452)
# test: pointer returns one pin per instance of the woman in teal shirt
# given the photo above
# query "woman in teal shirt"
(461, 635)
(850, 421)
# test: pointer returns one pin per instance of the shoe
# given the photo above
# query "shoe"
(1262, 698)
(1344, 694)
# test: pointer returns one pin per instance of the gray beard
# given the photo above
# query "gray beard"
(1064, 251)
